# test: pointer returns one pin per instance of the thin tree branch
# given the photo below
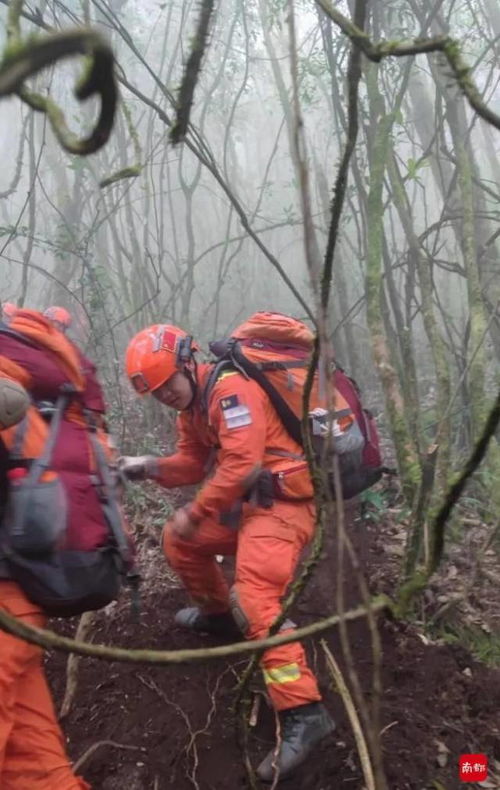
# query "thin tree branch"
(49, 639)
(448, 46)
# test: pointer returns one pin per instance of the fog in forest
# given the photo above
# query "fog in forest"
(250, 210)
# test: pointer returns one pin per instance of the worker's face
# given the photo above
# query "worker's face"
(177, 392)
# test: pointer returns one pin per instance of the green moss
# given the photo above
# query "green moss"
(127, 172)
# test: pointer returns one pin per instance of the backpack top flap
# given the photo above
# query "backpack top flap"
(276, 328)
(33, 329)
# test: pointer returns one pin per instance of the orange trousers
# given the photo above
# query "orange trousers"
(267, 548)
(32, 752)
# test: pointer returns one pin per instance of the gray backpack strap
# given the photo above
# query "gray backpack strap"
(19, 434)
(218, 369)
(43, 461)
(107, 498)
(104, 487)
(35, 517)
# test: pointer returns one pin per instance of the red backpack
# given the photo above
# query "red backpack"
(63, 537)
(275, 350)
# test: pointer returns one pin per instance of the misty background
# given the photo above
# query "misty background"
(172, 245)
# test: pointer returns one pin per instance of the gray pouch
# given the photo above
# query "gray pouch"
(36, 516)
(36, 513)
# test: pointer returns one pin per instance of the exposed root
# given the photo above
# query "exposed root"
(90, 751)
(191, 750)
(84, 626)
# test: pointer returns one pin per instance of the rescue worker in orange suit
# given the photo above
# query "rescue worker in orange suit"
(240, 426)
(32, 748)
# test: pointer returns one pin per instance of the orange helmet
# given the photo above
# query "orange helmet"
(8, 310)
(155, 354)
(59, 315)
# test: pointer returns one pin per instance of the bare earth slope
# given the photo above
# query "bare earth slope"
(179, 724)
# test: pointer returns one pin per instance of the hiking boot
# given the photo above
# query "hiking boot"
(302, 728)
(221, 625)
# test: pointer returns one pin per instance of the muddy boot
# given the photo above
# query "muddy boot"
(302, 728)
(221, 625)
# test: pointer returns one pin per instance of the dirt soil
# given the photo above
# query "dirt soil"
(174, 727)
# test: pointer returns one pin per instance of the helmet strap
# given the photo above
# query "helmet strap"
(187, 364)
(185, 351)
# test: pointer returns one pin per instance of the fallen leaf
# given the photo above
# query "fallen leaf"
(442, 755)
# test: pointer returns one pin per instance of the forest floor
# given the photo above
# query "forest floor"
(174, 727)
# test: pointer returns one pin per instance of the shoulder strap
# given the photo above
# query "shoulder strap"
(108, 499)
(235, 359)
(113, 517)
(218, 369)
(290, 422)
(42, 463)
(18, 439)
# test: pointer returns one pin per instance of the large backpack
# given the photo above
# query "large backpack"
(275, 350)
(63, 579)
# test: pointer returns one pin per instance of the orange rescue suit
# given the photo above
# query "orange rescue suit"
(246, 434)
(32, 748)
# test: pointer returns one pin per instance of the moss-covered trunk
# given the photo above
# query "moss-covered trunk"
(407, 456)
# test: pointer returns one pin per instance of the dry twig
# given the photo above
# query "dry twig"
(361, 744)
(277, 748)
(190, 749)
(85, 624)
(90, 751)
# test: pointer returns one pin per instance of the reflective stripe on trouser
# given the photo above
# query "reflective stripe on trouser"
(32, 751)
(267, 549)
(269, 546)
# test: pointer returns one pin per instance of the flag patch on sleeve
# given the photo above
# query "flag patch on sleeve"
(236, 414)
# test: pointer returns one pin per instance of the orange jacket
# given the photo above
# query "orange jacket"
(246, 435)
